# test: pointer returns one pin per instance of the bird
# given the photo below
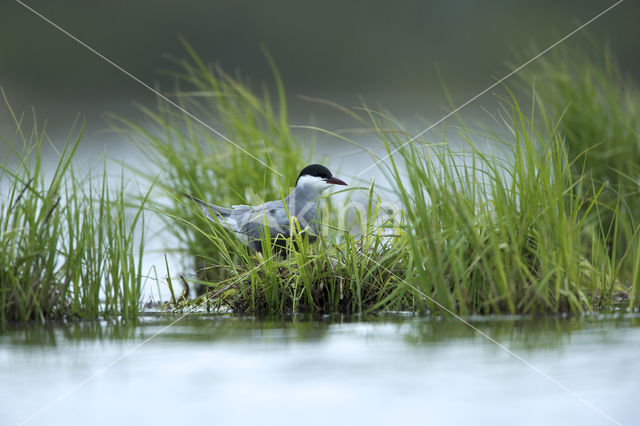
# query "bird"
(248, 223)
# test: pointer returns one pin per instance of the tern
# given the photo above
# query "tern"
(248, 223)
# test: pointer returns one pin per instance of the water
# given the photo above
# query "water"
(391, 370)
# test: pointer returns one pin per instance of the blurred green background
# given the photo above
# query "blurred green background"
(386, 52)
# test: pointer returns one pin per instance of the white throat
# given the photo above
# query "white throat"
(312, 183)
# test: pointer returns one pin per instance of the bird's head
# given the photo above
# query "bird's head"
(317, 178)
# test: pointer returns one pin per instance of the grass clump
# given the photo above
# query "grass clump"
(600, 118)
(347, 274)
(600, 126)
(197, 161)
(519, 233)
(68, 248)
(193, 159)
(499, 234)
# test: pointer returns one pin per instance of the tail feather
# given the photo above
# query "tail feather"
(223, 216)
(209, 209)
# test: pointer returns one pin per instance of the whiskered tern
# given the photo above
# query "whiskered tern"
(303, 204)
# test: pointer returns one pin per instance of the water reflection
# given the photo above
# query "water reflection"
(521, 332)
(51, 335)
(384, 369)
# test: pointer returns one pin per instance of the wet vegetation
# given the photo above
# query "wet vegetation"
(598, 110)
(530, 229)
(69, 245)
(538, 216)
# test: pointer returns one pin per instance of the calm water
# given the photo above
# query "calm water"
(393, 370)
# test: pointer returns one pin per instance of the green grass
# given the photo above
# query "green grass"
(525, 232)
(501, 235)
(353, 276)
(550, 225)
(600, 127)
(600, 124)
(69, 247)
(196, 161)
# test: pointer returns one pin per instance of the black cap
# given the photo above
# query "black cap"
(317, 170)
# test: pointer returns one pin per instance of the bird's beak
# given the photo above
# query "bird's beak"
(335, 181)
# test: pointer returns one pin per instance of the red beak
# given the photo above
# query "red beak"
(336, 181)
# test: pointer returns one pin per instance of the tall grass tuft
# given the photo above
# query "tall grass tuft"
(68, 248)
(600, 125)
(498, 234)
(322, 278)
(519, 233)
(344, 275)
(193, 159)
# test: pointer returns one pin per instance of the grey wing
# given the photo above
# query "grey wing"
(237, 221)
(231, 219)
(208, 208)
(272, 214)
(278, 217)
(276, 214)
